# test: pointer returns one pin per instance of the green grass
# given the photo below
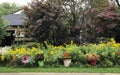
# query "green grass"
(60, 70)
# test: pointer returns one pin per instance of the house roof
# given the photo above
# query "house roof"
(15, 19)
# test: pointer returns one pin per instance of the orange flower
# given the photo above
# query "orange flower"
(66, 55)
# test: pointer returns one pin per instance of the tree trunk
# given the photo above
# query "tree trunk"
(117, 1)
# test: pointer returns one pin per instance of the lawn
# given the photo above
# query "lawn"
(60, 70)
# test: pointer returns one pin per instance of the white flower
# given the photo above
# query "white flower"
(4, 50)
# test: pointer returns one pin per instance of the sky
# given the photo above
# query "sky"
(20, 2)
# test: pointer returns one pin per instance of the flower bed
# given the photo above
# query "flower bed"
(97, 55)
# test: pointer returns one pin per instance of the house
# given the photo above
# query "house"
(16, 22)
(16, 28)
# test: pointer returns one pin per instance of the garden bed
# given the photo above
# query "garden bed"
(92, 55)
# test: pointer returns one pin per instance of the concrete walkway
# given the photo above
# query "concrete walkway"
(59, 74)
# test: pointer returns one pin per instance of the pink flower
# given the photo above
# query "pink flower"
(26, 59)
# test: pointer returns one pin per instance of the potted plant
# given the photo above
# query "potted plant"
(39, 58)
(93, 59)
(26, 59)
(66, 59)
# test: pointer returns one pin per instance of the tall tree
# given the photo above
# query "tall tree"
(80, 15)
(7, 8)
(3, 26)
(72, 10)
(118, 2)
(98, 4)
(45, 22)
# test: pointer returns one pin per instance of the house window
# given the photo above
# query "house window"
(22, 34)
(19, 33)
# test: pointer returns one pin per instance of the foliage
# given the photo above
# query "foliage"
(45, 23)
(99, 24)
(8, 8)
(80, 17)
(109, 19)
(82, 21)
(92, 56)
(39, 57)
(73, 11)
(3, 25)
(98, 4)
(97, 55)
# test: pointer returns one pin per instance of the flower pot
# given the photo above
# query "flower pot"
(40, 63)
(15, 63)
(93, 62)
(67, 62)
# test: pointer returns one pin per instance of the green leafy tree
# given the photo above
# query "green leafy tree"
(98, 4)
(7, 8)
(3, 26)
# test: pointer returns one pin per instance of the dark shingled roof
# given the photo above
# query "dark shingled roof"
(15, 19)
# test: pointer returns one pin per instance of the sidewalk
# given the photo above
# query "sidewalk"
(59, 74)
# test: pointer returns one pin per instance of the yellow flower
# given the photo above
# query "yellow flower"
(21, 52)
(101, 45)
(16, 49)
(84, 46)
(113, 53)
(13, 52)
(2, 57)
(33, 48)
(51, 52)
(23, 49)
(112, 40)
(71, 42)
(91, 44)
(115, 45)
(40, 52)
(28, 53)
